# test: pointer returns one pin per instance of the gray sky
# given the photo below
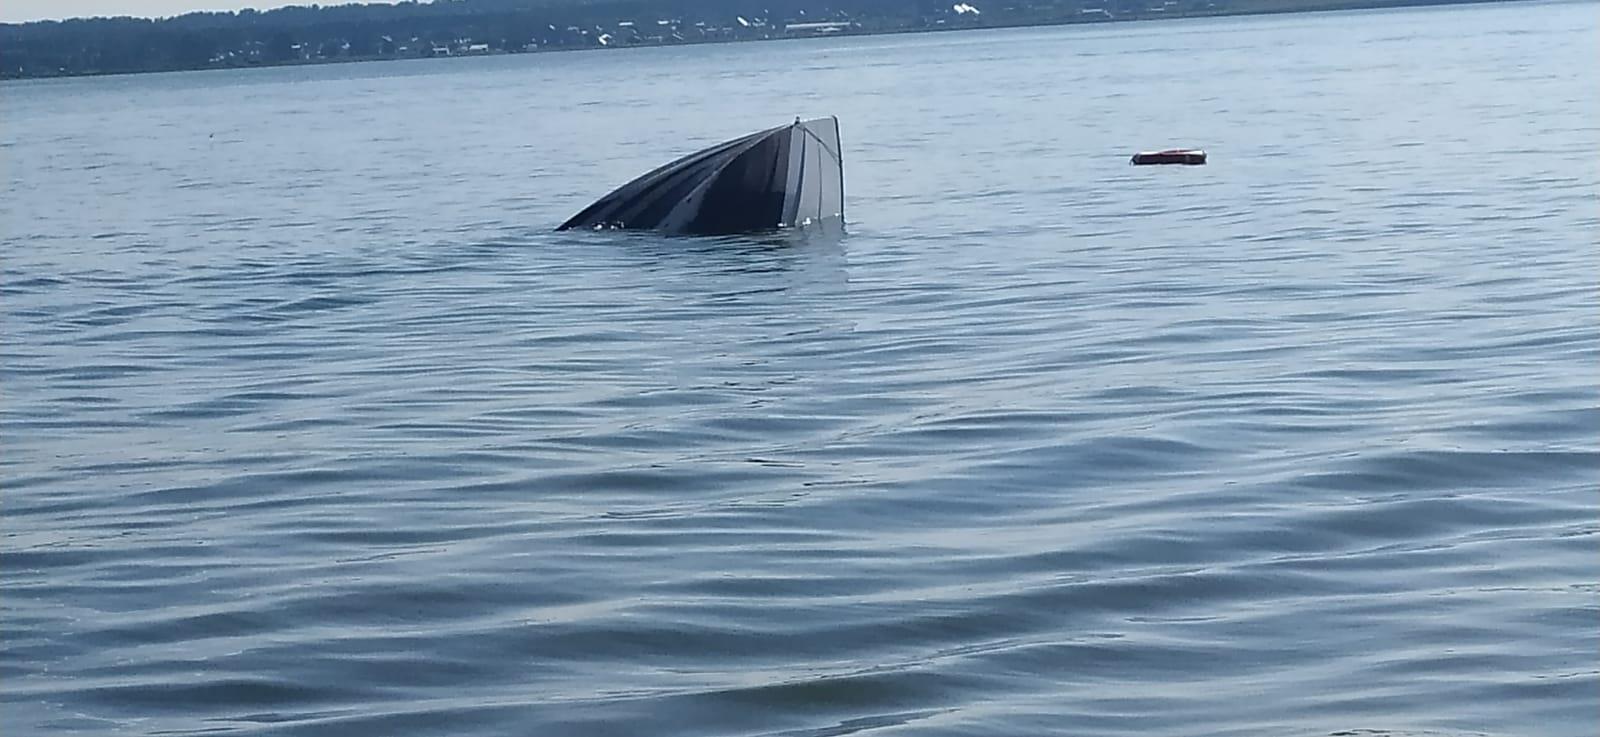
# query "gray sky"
(13, 11)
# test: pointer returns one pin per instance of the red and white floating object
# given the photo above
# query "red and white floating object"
(1192, 156)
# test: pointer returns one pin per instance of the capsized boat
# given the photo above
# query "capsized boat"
(782, 177)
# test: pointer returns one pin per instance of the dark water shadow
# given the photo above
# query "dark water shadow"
(828, 234)
(817, 251)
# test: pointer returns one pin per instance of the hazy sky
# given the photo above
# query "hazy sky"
(12, 11)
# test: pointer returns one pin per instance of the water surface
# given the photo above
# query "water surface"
(312, 426)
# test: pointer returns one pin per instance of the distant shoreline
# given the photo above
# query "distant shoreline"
(778, 31)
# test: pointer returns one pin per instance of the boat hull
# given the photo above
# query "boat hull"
(781, 177)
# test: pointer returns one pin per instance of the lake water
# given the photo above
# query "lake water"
(312, 425)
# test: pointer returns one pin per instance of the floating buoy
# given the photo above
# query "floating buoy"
(1171, 156)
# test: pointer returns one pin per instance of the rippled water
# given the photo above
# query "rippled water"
(313, 426)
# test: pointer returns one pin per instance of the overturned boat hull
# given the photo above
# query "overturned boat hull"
(777, 178)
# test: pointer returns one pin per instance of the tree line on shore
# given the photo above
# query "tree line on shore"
(305, 34)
